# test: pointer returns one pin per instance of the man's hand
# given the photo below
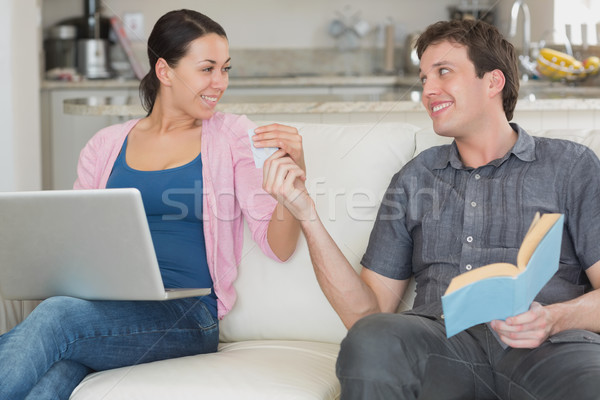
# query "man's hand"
(284, 172)
(527, 330)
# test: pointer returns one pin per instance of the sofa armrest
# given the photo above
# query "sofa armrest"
(13, 312)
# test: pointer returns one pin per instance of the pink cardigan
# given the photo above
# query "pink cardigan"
(232, 187)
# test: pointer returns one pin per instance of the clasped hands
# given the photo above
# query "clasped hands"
(284, 172)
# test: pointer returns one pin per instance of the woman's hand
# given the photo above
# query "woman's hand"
(284, 172)
(282, 136)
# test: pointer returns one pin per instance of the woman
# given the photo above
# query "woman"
(195, 171)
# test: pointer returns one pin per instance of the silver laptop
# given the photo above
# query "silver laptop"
(91, 244)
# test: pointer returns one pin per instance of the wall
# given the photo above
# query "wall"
(25, 58)
(7, 168)
(576, 13)
(20, 149)
(270, 23)
(302, 24)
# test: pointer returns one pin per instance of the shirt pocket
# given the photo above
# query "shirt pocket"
(440, 233)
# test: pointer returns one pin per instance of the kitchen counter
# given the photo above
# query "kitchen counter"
(90, 84)
(339, 99)
(399, 100)
(77, 113)
(296, 104)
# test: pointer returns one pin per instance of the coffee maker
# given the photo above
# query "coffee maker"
(81, 44)
(93, 55)
(60, 48)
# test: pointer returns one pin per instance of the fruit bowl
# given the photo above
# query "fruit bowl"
(558, 66)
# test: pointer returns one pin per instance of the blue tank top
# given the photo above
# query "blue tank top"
(173, 203)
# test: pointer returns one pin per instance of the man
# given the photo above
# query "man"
(487, 186)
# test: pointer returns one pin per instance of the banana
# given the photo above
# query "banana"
(558, 65)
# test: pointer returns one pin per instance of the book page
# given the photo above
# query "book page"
(534, 236)
(496, 269)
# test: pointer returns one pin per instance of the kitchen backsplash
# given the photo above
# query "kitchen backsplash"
(296, 62)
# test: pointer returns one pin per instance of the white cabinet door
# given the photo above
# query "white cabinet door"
(64, 135)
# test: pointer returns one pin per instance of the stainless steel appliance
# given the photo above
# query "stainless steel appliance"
(411, 59)
(80, 44)
(93, 55)
(60, 47)
(93, 59)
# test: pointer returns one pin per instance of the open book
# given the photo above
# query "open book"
(501, 290)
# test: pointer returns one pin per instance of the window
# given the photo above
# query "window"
(580, 15)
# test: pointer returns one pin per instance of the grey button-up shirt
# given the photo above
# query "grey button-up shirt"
(439, 218)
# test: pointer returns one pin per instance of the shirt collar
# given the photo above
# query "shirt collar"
(524, 149)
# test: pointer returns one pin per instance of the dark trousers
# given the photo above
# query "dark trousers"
(400, 356)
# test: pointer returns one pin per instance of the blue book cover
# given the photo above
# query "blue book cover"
(501, 290)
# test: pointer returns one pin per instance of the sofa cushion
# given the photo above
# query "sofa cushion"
(588, 137)
(426, 138)
(261, 370)
(349, 168)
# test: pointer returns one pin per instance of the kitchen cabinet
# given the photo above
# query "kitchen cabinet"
(63, 135)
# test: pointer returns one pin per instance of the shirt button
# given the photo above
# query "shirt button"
(473, 204)
(468, 267)
(477, 176)
(469, 239)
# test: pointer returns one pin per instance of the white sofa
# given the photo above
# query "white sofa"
(282, 338)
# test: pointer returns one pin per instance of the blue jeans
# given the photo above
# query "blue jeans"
(64, 339)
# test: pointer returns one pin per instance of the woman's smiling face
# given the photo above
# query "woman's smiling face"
(201, 76)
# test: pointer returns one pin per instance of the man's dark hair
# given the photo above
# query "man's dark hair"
(486, 48)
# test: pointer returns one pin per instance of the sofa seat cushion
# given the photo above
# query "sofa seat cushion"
(247, 370)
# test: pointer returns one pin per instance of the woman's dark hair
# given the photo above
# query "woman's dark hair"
(170, 39)
(487, 49)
